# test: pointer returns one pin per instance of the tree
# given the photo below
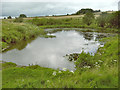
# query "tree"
(22, 16)
(88, 18)
(67, 14)
(115, 19)
(103, 20)
(84, 11)
(97, 11)
(9, 17)
(109, 20)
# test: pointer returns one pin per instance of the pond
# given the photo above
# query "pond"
(50, 52)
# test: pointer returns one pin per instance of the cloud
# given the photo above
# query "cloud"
(32, 9)
(84, 1)
(51, 7)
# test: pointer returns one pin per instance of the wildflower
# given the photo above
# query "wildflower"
(99, 66)
(48, 80)
(100, 60)
(84, 67)
(64, 69)
(115, 60)
(72, 71)
(96, 62)
(88, 66)
(100, 54)
(54, 73)
(96, 65)
(59, 72)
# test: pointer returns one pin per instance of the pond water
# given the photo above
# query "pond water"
(50, 52)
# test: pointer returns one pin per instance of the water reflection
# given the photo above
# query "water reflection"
(20, 45)
(49, 52)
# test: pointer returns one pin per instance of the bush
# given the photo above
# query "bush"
(114, 19)
(18, 20)
(84, 60)
(9, 17)
(84, 11)
(8, 64)
(88, 18)
(22, 16)
(109, 20)
(104, 20)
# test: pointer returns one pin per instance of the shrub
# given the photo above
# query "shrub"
(84, 11)
(109, 20)
(88, 18)
(9, 17)
(22, 16)
(114, 19)
(103, 20)
(18, 20)
(8, 64)
(84, 60)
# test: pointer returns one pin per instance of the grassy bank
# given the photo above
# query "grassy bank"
(14, 32)
(98, 71)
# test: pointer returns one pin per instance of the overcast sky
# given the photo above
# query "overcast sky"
(52, 7)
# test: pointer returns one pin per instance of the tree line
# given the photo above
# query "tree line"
(20, 16)
(87, 10)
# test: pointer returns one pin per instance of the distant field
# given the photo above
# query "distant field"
(59, 17)
(70, 16)
(97, 14)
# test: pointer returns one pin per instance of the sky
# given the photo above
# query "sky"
(53, 7)
(119, 5)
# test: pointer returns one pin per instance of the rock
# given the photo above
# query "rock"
(72, 57)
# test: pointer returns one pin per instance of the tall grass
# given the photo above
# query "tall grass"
(68, 23)
(15, 32)
(50, 21)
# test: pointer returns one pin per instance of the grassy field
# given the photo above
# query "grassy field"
(99, 71)
(97, 14)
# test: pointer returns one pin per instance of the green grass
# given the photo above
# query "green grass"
(102, 73)
(15, 32)
(67, 23)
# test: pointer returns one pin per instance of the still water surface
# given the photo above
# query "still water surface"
(50, 52)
